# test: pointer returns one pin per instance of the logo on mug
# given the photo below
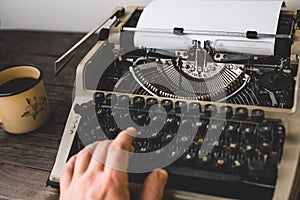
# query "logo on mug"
(35, 106)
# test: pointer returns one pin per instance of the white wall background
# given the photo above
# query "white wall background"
(66, 15)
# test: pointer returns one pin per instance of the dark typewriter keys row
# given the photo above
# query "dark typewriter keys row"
(241, 113)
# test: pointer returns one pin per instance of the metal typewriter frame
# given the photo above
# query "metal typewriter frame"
(289, 174)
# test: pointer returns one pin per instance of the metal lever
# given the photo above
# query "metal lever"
(64, 59)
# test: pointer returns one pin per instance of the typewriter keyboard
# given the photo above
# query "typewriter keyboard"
(243, 148)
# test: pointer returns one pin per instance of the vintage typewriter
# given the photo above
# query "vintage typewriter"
(214, 96)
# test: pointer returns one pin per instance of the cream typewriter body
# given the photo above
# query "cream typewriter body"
(227, 95)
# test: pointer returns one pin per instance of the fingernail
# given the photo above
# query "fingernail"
(131, 131)
(132, 149)
(162, 176)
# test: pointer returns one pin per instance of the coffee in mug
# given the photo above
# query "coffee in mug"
(24, 105)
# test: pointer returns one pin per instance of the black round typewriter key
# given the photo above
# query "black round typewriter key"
(199, 141)
(210, 110)
(237, 165)
(124, 100)
(138, 102)
(258, 115)
(168, 136)
(185, 124)
(241, 113)
(204, 159)
(100, 112)
(99, 97)
(247, 132)
(216, 146)
(189, 156)
(248, 150)
(156, 122)
(221, 162)
(151, 102)
(140, 118)
(230, 131)
(226, 111)
(180, 106)
(233, 148)
(167, 104)
(112, 132)
(264, 131)
(195, 108)
(171, 123)
(265, 147)
(111, 99)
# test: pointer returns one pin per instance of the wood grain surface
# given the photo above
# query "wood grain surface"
(26, 160)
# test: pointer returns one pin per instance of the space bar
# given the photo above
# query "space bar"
(186, 171)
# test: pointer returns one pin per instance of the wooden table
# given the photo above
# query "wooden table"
(26, 160)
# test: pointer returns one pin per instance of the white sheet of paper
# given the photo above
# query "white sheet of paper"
(228, 16)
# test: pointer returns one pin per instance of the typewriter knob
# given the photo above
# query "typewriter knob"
(171, 123)
(124, 100)
(265, 148)
(167, 104)
(233, 148)
(247, 132)
(189, 155)
(216, 147)
(258, 115)
(241, 113)
(110, 98)
(226, 111)
(111, 131)
(204, 160)
(180, 106)
(210, 110)
(265, 131)
(237, 165)
(99, 97)
(230, 131)
(248, 150)
(138, 102)
(158, 118)
(151, 102)
(140, 118)
(195, 108)
(186, 123)
(221, 162)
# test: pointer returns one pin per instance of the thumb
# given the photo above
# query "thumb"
(154, 185)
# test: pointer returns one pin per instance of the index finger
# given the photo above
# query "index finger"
(125, 139)
(119, 150)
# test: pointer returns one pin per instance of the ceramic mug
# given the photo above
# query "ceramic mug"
(24, 105)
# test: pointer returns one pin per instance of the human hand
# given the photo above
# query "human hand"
(99, 172)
